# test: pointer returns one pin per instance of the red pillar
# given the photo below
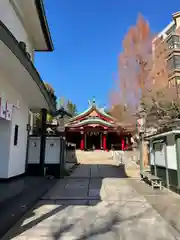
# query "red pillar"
(104, 142)
(122, 144)
(82, 141)
(85, 144)
(101, 140)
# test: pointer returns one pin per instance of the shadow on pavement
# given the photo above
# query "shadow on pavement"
(86, 224)
(75, 203)
(19, 195)
(97, 201)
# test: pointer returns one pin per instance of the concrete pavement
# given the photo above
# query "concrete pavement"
(98, 201)
(17, 196)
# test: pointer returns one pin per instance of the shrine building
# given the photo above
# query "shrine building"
(95, 129)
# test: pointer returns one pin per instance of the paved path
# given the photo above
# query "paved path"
(98, 201)
(17, 196)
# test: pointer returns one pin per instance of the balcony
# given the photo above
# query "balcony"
(173, 42)
(174, 63)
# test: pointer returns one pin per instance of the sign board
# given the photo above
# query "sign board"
(9, 109)
(2, 108)
(159, 154)
(6, 109)
(141, 125)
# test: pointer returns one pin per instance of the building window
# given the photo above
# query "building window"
(171, 30)
(170, 63)
(173, 83)
(170, 43)
(16, 130)
(174, 62)
(178, 80)
(177, 62)
(174, 42)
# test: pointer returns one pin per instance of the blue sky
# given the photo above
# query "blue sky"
(87, 36)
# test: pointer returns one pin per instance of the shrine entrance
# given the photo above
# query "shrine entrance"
(93, 140)
(95, 129)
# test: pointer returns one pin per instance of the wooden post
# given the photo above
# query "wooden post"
(85, 136)
(43, 140)
(101, 140)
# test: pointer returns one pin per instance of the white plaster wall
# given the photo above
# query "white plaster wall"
(10, 19)
(160, 155)
(17, 154)
(171, 152)
(52, 154)
(34, 150)
(4, 147)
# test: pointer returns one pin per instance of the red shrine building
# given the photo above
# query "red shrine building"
(95, 129)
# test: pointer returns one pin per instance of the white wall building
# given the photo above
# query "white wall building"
(23, 25)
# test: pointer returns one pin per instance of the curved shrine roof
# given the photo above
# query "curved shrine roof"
(89, 121)
(92, 107)
(92, 115)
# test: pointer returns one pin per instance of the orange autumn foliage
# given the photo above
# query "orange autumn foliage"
(143, 72)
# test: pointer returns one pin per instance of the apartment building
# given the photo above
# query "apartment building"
(171, 37)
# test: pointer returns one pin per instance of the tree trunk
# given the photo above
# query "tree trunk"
(145, 155)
